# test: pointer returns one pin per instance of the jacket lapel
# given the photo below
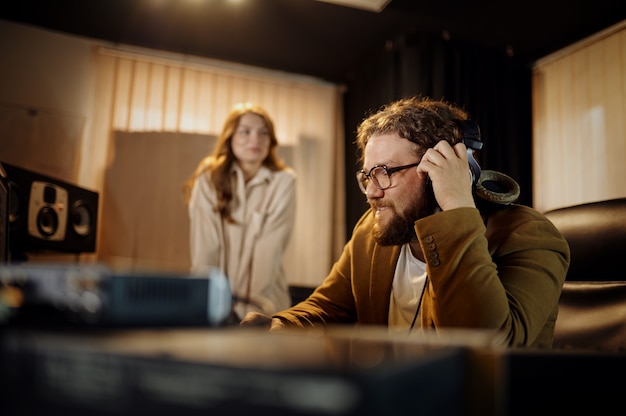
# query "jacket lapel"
(382, 266)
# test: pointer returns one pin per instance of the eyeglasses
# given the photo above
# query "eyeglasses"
(380, 175)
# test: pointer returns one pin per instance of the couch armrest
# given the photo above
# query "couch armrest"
(592, 316)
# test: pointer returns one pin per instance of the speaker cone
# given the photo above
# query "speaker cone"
(47, 221)
(81, 219)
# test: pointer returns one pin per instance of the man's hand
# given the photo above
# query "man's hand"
(258, 319)
(449, 172)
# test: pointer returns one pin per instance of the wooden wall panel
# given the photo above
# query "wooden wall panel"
(144, 223)
(40, 140)
(579, 116)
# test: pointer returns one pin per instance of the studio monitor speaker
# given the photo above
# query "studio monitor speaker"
(49, 214)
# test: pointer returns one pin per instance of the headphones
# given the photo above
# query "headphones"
(490, 186)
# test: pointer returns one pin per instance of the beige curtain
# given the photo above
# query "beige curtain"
(171, 97)
(579, 122)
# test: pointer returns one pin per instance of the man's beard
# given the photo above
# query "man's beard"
(401, 227)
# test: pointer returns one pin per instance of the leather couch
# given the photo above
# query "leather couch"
(592, 308)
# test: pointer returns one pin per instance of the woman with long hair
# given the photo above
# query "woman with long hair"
(242, 202)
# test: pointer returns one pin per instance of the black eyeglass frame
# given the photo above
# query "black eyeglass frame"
(388, 171)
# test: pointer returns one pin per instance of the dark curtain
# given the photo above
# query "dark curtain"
(493, 86)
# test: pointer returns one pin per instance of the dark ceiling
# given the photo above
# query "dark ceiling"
(317, 38)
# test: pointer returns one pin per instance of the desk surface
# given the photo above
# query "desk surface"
(337, 347)
(233, 371)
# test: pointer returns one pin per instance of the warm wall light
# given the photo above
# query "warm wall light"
(370, 5)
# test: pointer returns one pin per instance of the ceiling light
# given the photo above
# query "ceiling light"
(370, 5)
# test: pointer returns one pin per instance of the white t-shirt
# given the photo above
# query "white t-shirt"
(409, 282)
